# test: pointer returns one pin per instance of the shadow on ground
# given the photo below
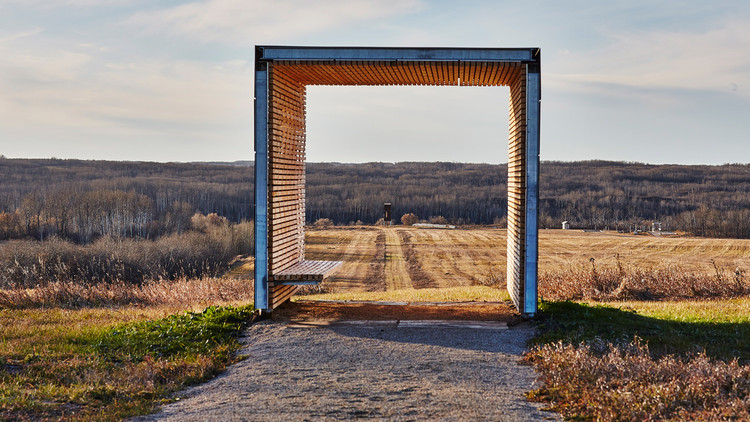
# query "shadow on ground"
(575, 322)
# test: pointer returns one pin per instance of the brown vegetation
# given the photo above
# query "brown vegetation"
(322, 223)
(600, 380)
(204, 251)
(409, 219)
(618, 282)
(177, 293)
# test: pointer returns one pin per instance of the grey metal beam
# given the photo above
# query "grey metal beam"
(533, 104)
(261, 187)
(394, 54)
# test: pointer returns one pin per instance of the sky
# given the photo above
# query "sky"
(148, 80)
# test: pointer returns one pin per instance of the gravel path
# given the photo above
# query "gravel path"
(368, 370)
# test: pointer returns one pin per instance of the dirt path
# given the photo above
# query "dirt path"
(368, 370)
(396, 273)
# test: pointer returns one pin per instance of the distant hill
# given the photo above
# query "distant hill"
(704, 200)
(226, 163)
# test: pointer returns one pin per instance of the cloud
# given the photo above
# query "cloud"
(19, 35)
(130, 96)
(249, 22)
(712, 60)
(61, 4)
(70, 86)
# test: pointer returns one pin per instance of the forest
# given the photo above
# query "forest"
(81, 201)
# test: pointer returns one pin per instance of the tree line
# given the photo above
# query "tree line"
(83, 200)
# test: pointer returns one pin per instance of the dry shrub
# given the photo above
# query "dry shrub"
(409, 219)
(66, 294)
(438, 219)
(602, 381)
(605, 283)
(323, 223)
(204, 252)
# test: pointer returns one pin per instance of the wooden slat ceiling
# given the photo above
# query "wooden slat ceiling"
(398, 73)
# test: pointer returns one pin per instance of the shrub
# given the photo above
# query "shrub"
(599, 380)
(438, 220)
(192, 254)
(593, 282)
(323, 222)
(182, 292)
(409, 219)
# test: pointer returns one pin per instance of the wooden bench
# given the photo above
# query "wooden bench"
(305, 272)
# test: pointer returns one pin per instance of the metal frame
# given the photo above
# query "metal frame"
(533, 120)
(261, 186)
(398, 54)
(528, 57)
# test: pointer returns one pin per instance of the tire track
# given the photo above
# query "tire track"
(358, 250)
(434, 259)
(396, 273)
(420, 278)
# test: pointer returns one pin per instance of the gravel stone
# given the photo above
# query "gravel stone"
(348, 371)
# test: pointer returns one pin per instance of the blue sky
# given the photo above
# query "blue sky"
(657, 82)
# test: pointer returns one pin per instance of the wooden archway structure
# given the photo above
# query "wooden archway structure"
(281, 77)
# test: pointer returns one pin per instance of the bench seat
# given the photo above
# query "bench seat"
(305, 272)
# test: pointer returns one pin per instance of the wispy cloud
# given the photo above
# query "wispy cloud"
(19, 35)
(62, 90)
(247, 22)
(713, 60)
(95, 78)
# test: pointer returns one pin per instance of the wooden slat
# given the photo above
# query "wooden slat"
(307, 270)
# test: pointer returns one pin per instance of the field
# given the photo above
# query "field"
(392, 258)
(72, 351)
(640, 327)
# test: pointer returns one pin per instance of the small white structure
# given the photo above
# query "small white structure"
(566, 225)
(655, 227)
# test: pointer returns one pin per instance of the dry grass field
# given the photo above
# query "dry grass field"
(105, 351)
(381, 259)
(632, 327)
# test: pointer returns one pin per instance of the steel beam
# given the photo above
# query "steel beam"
(533, 103)
(396, 54)
(261, 187)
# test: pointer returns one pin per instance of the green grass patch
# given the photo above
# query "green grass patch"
(188, 335)
(720, 328)
(90, 369)
(449, 294)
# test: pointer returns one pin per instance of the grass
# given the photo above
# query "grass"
(204, 251)
(620, 282)
(675, 360)
(719, 328)
(450, 294)
(85, 351)
(177, 293)
(87, 364)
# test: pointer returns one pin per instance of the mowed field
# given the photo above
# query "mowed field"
(392, 258)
